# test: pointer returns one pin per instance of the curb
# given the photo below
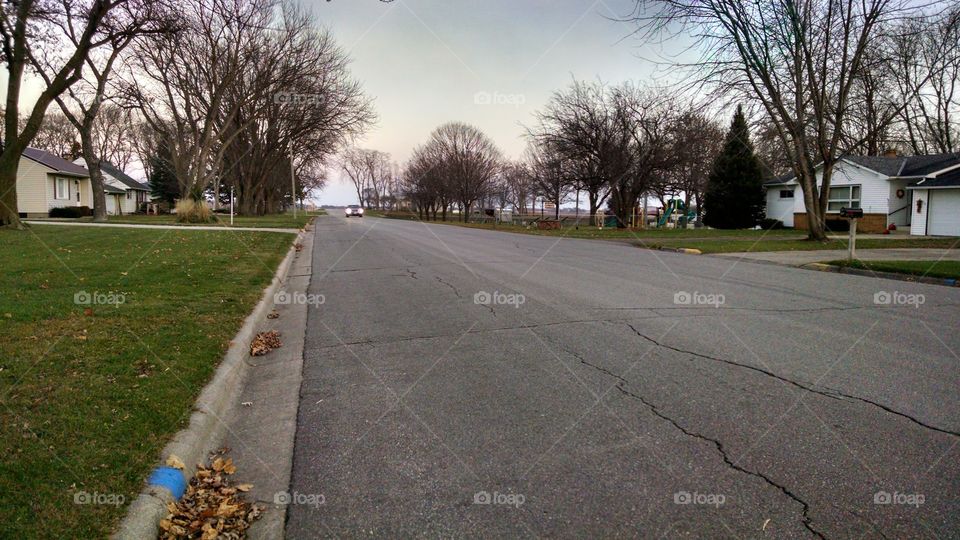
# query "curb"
(688, 251)
(948, 282)
(207, 423)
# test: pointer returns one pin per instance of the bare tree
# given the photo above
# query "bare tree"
(469, 159)
(310, 108)
(799, 60)
(550, 179)
(926, 75)
(82, 102)
(184, 83)
(518, 183)
(580, 124)
(57, 136)
(695, 141)
(53, 39)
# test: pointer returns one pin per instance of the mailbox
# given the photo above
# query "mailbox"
(852, 213)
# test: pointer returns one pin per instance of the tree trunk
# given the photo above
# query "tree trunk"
(815, 221)
(9, 162)
(96, 177)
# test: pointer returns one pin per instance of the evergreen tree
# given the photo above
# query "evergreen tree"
(734, 198)
(163, 181)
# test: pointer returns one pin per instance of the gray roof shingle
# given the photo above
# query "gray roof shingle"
(54, 162)
(948, 179)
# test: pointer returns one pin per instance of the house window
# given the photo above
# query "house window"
(786, 193)
(128, 195)
(843, 197)
(62, 189)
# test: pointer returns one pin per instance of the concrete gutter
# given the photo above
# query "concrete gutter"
(688, 251)
(207, 423)
(886, 275)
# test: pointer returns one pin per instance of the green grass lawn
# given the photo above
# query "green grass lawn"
(754, 243)
(939, 269)
(88, 399)
(281, 221)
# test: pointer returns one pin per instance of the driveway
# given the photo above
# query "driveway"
(462, 382)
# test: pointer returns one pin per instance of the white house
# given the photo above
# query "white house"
(45, 181)
(921, 193)
(124, 194)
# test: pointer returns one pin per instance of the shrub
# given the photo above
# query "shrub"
(770, 224)
(190, 211)
(838, 225)
(71, 212)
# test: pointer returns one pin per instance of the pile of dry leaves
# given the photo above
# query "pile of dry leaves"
(211, 507)
(265, 342)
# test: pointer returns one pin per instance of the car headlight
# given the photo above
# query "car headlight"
(360, 210)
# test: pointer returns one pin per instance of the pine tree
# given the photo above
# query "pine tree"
(163, 181)
(734, 198)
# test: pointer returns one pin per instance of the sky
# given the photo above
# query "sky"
(490, 63)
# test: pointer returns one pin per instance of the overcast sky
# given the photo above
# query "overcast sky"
(489, 63)
(426, 62)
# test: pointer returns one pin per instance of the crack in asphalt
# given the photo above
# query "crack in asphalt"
(477, 331)
(830, 392)
(807, 520)
(456, 291)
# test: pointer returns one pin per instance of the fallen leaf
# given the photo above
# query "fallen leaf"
(174, 461)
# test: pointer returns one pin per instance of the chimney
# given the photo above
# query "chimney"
(890, 152)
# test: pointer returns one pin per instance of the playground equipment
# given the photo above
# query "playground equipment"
(676, 206)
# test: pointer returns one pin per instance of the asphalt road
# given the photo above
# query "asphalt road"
(589, 399)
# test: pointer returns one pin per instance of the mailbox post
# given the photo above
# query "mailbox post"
(853, 214)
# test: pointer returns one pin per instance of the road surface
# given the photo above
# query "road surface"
(462, 382)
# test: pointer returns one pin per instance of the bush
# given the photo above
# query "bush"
(837, 225)
(190, 211)
(770, 224)
(71, 212)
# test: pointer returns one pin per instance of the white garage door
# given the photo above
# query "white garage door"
(944, 212)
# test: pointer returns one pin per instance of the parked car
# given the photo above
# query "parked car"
(353, 210)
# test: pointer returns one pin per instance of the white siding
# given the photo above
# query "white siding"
(874, 187)
(918, 221)
(34, 188)
(781, 209)
(902, 217)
